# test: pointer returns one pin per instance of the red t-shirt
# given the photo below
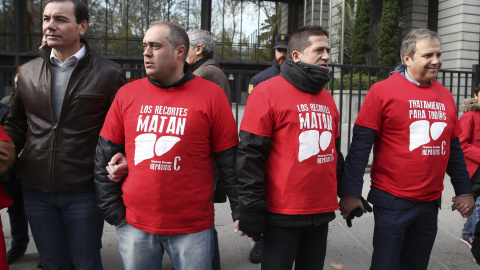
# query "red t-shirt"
(414, 127)
(3, 135)
(300, 172)
(169, 136)
(5, 201)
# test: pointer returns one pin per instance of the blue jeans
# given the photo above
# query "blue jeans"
(67, 228)
(142, 250)
(469, 227)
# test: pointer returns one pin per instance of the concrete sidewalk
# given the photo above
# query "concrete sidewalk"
(350, 248)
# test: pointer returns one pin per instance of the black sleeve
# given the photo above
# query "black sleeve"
(252, 154)
(340, 162)
(356, 161)
(457, 169)
(226, 166)
(109, 193)
(4, 110)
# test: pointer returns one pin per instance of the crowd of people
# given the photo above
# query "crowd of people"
(152, 156)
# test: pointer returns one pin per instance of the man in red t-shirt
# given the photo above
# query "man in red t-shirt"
(411, 120)
(169, 125)
(288, 155)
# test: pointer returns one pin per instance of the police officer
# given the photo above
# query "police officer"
(281, 44)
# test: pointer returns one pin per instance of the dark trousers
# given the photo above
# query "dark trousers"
(216, 251)
(403, 238)
(304, 245)
(476, 244)
(17, 216)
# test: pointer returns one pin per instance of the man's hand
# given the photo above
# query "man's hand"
(348, 203)
(464, 205)
(117, 167)
(252, 222)
(351, 207)
(236, 226)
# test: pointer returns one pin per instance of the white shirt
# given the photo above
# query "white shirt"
(72, 60)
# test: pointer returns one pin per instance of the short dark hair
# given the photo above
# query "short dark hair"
(81, 10)
(177, 36)
(299, 41)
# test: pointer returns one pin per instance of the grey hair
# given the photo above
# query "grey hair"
(204, 38)
(177, 36)
(409, 44)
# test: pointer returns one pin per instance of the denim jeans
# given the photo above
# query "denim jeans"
(469, 227)
(141, 250)
(67, 228)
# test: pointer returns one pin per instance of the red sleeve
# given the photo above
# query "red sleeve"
(457, 129)
(224, 128)
(371, 115)
(257, 118)
(337, 131)
(113, 128)
(3, 135)
(468, 128)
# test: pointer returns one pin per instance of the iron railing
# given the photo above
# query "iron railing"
(348, 86)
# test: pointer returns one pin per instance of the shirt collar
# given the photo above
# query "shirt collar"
(72, 60)
(415, 82)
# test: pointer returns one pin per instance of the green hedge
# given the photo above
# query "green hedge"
(355, 80)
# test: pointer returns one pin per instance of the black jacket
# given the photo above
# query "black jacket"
(58, 157)
(268, 73)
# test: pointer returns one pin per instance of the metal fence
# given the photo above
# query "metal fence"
(348, 86)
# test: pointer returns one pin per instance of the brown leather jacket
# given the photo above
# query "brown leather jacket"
(58, 157)
(210, 70)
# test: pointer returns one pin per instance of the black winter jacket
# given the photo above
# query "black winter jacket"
(268, 73)
(58, 157)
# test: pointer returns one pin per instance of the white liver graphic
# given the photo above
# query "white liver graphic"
(145, 145)
(164, 144)
(420, 132)
(308, 144)
(437, 129)
(325, 140)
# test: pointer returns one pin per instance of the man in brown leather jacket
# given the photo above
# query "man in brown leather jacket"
(56, 115)
(200, 58)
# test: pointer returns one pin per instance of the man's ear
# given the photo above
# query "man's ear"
(83, 25)
(296, 56)
(406, 58)
(198, 49)
(180, 51)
